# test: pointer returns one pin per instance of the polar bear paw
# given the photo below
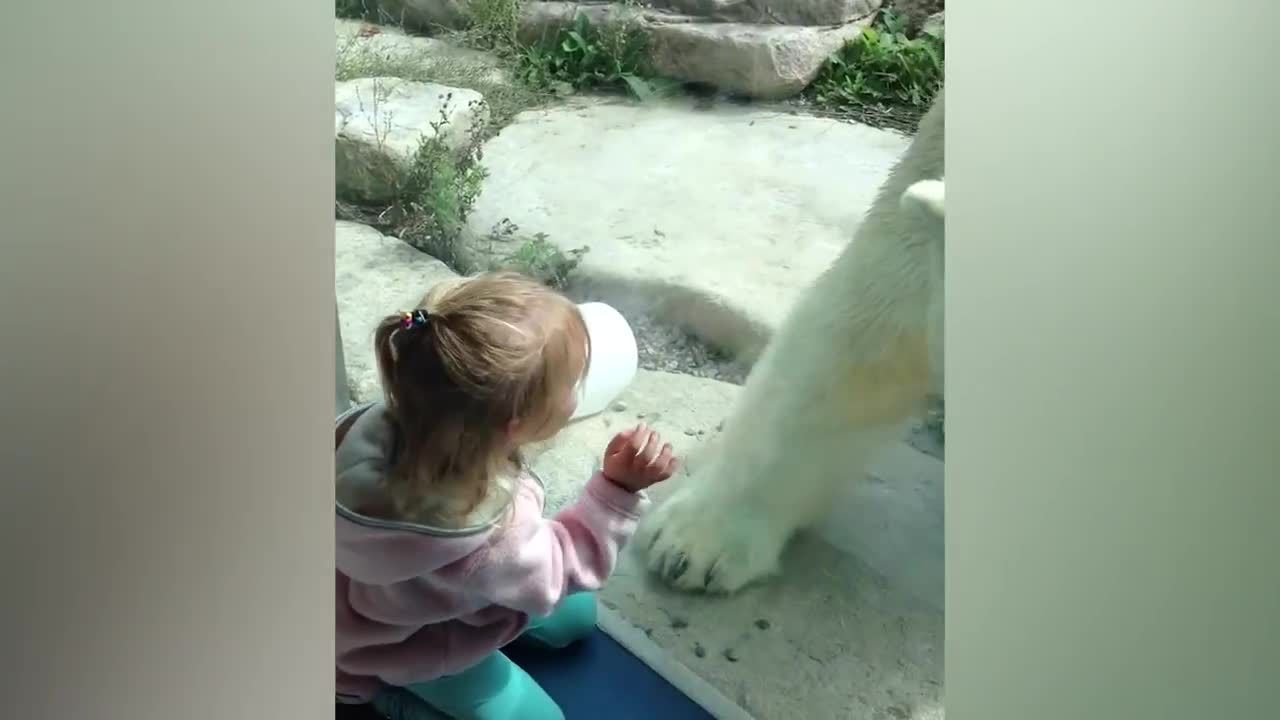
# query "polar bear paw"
(695, 543)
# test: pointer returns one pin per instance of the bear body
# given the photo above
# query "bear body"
(839, 381)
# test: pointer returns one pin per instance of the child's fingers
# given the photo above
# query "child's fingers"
(663, 458)
(638, 440)
(620, 440)
(644, 444)
(621, 444)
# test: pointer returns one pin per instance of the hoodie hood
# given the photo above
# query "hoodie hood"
(372, 549)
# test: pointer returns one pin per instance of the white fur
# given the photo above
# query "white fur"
(927, 196)
(825, 395)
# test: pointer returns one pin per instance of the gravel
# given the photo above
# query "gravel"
(668, 348)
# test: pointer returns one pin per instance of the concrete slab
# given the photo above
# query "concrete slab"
(854, 626)
(718, 217)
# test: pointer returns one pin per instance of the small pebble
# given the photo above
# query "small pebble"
(698, 650)
(731, 655)
(619, 407)
(691, 433)
(679, 623)
(762, 624)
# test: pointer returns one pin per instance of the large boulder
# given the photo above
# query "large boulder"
(758, 50)
(426, 14)
(380, 122)
(763, 61)
(784, 12)
(766, 62)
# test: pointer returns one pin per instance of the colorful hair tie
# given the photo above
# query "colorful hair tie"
(414, 318)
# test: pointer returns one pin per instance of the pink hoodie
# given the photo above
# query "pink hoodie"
(415, 602)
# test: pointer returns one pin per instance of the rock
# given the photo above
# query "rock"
(748, 49)
(375, 276)
(710, 219)
(785, 12)
(763, 61)
(916, 11)
(758, 61)
(425, 14)
(540, 22)
(919, 16)
(377, 47)
(380, 122)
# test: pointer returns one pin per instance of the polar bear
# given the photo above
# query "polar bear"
(853, 361)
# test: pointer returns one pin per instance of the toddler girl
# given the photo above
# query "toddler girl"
(443, 555)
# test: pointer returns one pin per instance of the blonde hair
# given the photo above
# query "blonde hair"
(494, 348)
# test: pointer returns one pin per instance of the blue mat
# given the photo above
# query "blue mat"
(596, 678)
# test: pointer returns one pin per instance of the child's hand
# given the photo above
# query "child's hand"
(634, 462)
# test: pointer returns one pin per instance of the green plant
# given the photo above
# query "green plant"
(535, 256)
(434, 197)
(493, 25)
(585, 57)
(580, 56)
(883, 68)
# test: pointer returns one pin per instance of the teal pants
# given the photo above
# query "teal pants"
(495, 689)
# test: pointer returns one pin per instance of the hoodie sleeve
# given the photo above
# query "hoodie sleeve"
(531, 563)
